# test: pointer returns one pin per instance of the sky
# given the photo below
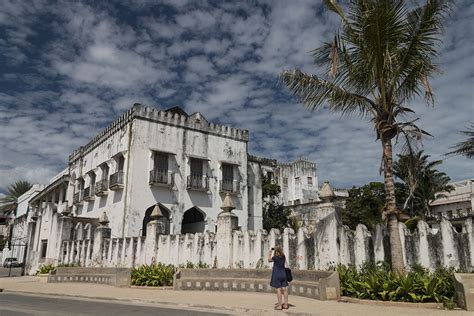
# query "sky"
(69, 68)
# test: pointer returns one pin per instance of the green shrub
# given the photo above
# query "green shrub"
(190, 265)
(156, 274)
(45, 269)
(378, 282)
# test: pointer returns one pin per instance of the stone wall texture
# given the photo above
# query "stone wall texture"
(320, 248)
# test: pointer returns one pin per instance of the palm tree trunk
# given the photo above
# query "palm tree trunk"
(391, 209)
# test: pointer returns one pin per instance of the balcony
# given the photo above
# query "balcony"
(163, 178)
(199, 183)
(78, 197)
(102, 187)
(229, 186)
(89, 193)
(116, 181)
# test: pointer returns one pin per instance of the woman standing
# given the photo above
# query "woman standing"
(278, 280)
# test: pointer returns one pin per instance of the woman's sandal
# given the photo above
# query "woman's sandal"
(284, 306)
(278, 308)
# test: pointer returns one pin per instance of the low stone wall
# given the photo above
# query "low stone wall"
(322, 285)
(318, 248)
(464, 286)
(110, 276)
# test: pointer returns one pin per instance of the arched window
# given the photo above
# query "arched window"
(146, 219)
(193, 221)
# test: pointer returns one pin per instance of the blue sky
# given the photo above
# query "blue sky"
(70, 68)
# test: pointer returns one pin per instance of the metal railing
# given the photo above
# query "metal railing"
(78, 196)
(161, 177)
(116, 180)
(198, 183)
(89, 193)
(229, 186)
(101, 187)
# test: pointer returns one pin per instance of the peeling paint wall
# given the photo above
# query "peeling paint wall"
(321, 248)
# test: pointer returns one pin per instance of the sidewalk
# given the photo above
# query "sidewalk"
(232, 302)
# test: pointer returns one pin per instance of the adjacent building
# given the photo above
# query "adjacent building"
(17, 226)
(456, 205)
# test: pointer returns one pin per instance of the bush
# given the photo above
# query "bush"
(156, 274)
(45, 269)
(190, 265)
(378, 282)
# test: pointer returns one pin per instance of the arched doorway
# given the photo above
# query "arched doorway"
(193, 221)
(166, 214)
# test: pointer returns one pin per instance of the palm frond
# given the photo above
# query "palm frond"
(422, 27)
(15, 190)
(465, 148)
(313, 92)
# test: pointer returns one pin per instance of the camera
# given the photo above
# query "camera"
(273, 248)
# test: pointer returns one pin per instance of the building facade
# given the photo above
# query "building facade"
(149, 157)
(17, 226)
(457, 205)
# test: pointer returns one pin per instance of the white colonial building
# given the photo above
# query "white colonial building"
(148, 156)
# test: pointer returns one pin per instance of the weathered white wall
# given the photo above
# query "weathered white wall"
(297, 186)
(182, 139)
(327, 245)
(136, 135)
(94, 155)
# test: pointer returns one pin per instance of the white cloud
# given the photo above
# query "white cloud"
(221, 60)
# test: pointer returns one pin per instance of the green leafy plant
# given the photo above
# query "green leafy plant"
(377, 282)
(190, 265)
(157, 274)
(45, 269)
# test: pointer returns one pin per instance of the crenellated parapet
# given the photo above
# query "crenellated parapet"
(262, 160)
(195, 122)
(110, 130)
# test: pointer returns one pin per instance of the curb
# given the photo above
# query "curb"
(430, 305)
(184, 306)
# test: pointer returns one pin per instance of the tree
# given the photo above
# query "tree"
(365, 204)
(275, 215)
(14, 191)
(423, 181)
(465, 148)
(379, 60)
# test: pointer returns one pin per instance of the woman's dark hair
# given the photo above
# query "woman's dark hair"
(279, 252)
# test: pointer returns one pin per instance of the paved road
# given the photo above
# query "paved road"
(12, 304)
(14, 272)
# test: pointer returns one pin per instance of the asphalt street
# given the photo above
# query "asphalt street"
(12, 304)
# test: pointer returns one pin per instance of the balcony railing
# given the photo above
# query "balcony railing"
(198, 183)
(77, 198)
(116, 181)
(229, 186)
(161, 178)
(102, 187)
(89, 193)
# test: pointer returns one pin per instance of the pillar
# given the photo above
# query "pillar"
(227, 222)
(100, 233)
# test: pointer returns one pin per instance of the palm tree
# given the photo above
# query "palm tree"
(14, 191)
(379, 60)
(424, 182)
(465, 148)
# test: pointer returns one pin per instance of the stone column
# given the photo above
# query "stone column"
(100, 233)
(64, 234)
(154, 228)
(227, 222)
